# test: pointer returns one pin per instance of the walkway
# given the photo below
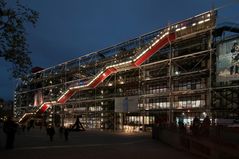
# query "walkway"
(89, 144)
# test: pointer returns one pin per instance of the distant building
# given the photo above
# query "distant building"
(184, 70)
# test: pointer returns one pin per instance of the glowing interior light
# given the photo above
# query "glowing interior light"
(194, 24)
(178, 29)
(206, 20)
(183, 28)
(121, 82)
(53, 102)
(200, 22)
(141, 54)
(77, 87)
(208, 15)
(162, 36)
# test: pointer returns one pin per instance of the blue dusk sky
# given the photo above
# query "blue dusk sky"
(70, 28)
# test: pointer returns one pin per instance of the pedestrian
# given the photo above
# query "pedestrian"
(66, 133)
(182, 128)
(61, 131)
(10, 129)
(23, 127)
(51, 132)
(40, 126)
(196, 126)
(206, 126)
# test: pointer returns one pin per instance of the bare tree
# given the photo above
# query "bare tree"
(13, 43)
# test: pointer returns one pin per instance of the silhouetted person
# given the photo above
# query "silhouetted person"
(66, 133)
(61, 129)
(51, 132)
(28, 128)
(196, 126)
(40, 126)
(23, 128)
(10, 128)
(206, 126)
(31, 124)
(182, 128)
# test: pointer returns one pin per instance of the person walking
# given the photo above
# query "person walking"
(10, 129)
(206, 126)
(196, 126)
(66, 133)
(51, 132)
(61, 131)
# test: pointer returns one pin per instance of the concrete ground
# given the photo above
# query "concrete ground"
(88, 144)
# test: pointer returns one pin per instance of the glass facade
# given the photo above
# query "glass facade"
(176, 79)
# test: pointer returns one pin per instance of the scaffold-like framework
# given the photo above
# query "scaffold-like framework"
(169, 72)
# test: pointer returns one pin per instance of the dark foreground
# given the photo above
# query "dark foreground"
(89, 144)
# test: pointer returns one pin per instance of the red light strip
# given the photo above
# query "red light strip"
(102, 77)
(110, 70)
(64, 98)
(154, 49)
(44, 107)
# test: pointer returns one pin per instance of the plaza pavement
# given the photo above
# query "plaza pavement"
(35, 144)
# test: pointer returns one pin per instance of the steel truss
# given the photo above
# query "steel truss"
(175, 80)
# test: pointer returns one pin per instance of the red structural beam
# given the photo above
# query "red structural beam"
(44, 107)
(164, 41)
(102, 77)
(66, 96)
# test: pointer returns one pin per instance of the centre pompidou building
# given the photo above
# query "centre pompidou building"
(160, 76)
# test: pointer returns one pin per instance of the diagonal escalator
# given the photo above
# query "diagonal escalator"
(140, 57)
(163, 37)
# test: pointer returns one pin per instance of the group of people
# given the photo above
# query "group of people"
(197, 128)
(10, 128)
(51, 132)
